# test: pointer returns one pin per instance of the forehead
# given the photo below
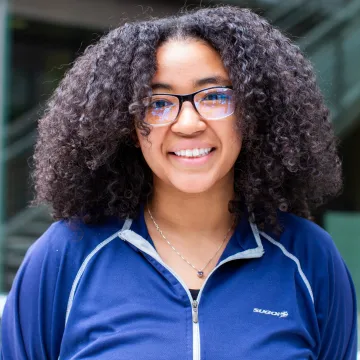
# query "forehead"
(182, 62)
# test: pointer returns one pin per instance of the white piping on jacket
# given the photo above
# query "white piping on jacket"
(79, 274)
(294, 258)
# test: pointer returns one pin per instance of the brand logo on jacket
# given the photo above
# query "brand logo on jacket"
(282, 314)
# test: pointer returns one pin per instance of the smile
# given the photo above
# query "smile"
(191, 153)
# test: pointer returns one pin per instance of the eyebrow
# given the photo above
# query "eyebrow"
(212, 80)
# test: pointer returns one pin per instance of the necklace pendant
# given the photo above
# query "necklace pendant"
(200, 274)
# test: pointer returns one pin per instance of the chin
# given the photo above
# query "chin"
(192, 186)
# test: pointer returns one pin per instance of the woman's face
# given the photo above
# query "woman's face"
(184, 67)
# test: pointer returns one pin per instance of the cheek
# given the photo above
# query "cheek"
(231, 139)
(151, 146)
(237, 142)
(233, 149)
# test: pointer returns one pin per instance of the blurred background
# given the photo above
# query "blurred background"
(39, 39)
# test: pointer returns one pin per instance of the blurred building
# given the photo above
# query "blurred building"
(39, 39)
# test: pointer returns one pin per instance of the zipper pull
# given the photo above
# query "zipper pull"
(195, 312)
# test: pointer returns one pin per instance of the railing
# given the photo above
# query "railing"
(334, 48)
(297, 17)
(21, 137)
(21, 133)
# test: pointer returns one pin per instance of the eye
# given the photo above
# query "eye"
(160, 104)
(216, 97)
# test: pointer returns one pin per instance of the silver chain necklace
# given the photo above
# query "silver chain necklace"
(200, 272)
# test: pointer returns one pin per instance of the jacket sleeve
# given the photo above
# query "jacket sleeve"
(29, 324)
(339, 333)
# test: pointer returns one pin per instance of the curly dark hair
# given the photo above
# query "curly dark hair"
(86, 162)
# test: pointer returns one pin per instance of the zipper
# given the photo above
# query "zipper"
(196, 330)
(195, 314)
(143, 245)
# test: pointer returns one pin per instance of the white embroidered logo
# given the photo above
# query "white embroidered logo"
(282, 314)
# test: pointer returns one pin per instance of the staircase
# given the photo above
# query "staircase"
(328, 32)
(334, 49)
(21, 233)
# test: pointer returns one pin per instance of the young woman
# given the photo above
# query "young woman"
(182, 157)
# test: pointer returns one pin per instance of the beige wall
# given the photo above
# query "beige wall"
(93, 13)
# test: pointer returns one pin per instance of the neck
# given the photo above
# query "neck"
(206, 212)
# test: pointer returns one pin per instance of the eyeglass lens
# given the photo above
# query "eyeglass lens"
(211, 104)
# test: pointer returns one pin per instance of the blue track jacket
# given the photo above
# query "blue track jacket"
(103, 292)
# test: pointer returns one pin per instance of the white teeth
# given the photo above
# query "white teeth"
(193, 152)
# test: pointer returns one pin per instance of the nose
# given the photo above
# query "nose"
(188, 122)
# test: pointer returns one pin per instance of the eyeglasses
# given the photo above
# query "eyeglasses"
(211, 104)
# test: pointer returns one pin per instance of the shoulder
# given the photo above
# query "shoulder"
(304, 238)
(56, 257)
(75, 236)
(316, 258)
(309, 244)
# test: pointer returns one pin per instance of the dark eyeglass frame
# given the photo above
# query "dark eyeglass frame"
(189, 97)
